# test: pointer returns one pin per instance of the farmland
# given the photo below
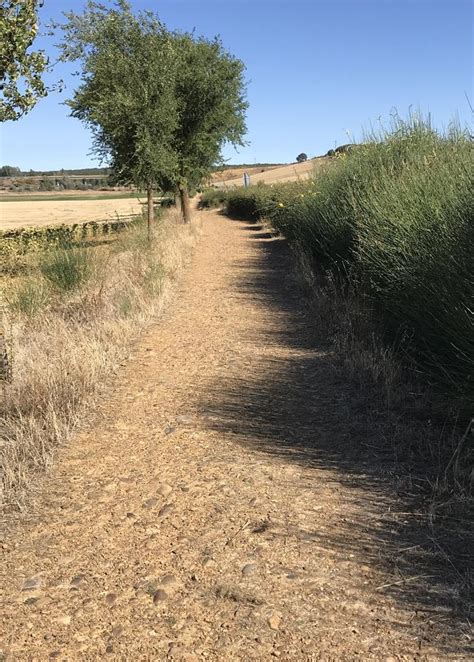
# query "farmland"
(38, 211)
(282, 173)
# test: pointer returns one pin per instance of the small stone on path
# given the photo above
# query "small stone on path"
(249, 569)
(164, 489)
(167, 508)
(31, 584)
(160, 596)
(274, 621)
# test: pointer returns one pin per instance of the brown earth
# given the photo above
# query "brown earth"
(223, 502)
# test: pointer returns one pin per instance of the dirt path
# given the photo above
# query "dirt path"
(213, 510)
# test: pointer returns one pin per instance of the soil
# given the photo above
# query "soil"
(222, 503)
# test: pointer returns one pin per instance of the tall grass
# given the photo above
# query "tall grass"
(394, 220)
(66, 269)
(72, 319)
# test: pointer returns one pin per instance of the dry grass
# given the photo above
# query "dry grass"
(61, 353)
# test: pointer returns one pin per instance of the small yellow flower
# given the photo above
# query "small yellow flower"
(280, 204)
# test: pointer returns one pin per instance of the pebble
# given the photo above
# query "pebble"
(77, 579)
(150, 503)
(31, 584)
(160, 596)
(110, 598)
(274, 621)
(164, 489)
(167, 508)
(170, 429)
(168, 580)
(63, 620)
(249, 569)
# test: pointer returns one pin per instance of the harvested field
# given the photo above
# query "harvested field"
(39, 213)
(286, 173)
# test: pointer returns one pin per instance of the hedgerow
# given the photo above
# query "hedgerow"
(395, 219)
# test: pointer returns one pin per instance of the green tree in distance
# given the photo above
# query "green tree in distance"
(126, 95)
(21, 84)
(9, 171)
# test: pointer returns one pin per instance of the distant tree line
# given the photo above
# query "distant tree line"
(13, 171)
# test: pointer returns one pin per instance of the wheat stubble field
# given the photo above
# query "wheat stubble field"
(218, 504)
(39, 213)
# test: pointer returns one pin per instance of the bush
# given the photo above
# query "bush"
(212, 198)
(393, 218)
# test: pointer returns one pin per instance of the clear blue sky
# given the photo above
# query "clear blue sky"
(317, 69)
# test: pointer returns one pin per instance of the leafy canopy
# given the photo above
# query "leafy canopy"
(160, 104)
(126, 94)
(21, 84)
(210, 91)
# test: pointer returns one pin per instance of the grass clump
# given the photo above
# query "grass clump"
(66, 269)
(29, 297)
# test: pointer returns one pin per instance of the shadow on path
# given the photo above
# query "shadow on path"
(295, 403)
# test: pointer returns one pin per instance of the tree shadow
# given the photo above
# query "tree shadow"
(298, 404)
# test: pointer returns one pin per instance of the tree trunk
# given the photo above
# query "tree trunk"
(151, 211)
(177, 198)
(185, 203)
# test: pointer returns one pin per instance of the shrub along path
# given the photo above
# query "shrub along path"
(224, 502)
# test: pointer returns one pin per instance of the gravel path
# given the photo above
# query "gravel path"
(212, 509)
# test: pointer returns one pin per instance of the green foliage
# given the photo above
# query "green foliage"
(160, 104)
(9, 171)
(20, 68)
(21, 241)
(126, 95)
(212, 198)
(395, 219)
(208, 73)
(66, 269)
(302, 157)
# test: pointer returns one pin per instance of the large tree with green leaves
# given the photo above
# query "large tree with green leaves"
(160, 105)
(210, 92)
(21, 69)
(126, 95)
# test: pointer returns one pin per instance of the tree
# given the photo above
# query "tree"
(160, 105)
(210, 91)
(302, 157)
(126, 94)
(21, 84)
(9, 171)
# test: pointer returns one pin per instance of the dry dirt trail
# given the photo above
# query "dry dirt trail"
(213, 509)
